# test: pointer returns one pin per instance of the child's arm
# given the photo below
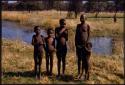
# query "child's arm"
(89, 50)
(66, 34)
(62, 30)
(44, 43)
(56, 34)
(54, 44)
(32, 40)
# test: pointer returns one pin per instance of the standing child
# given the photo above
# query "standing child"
(61, 35)
(38, 43)
(50, 48)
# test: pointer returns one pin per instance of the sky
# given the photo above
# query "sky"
(12, 1)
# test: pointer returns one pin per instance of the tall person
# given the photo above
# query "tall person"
(61, 35)
(81, 38)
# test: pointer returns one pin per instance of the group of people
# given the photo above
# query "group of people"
(60, 36)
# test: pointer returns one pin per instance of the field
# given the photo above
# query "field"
(45, 19)
(17, 56)
(17, 67)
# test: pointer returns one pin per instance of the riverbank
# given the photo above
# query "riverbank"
(45, 19)
(17, 67)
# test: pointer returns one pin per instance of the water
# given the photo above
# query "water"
(11, 30)
(102, 45)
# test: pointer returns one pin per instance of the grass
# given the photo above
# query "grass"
(99, 27)
(17, 66)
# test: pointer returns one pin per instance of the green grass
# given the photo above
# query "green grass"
(17, 67)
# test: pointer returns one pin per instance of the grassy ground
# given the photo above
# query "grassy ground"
(17, 66)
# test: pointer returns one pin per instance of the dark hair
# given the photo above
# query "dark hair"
(83, 15)
(61, 21)
(36, 28)
(49, 31)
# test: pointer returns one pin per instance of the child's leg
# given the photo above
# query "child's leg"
(58, 64)
(51, 63)
(40, 62)
(83, 67)
(78, 52)
(64, 59)
(47, 63)
(86, 70)
(35, 63)
(79, 64)
(63, 64)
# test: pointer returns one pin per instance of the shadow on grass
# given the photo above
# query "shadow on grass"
(17, 74)
(122, 76)
(65, 78)
(21, 74)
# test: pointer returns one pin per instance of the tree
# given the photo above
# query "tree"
(74, 6)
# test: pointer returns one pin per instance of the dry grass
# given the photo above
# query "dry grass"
(17, 66)
(99, 27)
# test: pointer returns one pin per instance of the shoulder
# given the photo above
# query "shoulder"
(42, 37)
(33, 36)
(66, 29)
(45, 38)
(88, 25)
(57, 28)
(78, 25)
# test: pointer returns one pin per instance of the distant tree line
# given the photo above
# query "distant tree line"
(75, 6)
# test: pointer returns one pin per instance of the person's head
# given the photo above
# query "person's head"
(50, 32)
(62, 22)
(37, 29)
(82, 18)
(89, 45)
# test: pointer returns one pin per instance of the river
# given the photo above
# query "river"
(12, 30)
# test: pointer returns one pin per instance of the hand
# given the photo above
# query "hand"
(55, 50)
(62, 30)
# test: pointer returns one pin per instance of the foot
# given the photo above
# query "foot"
(49, 74)
(36, 77)
(39, 77)
(63, 74)
(79, 77)
(58, 76)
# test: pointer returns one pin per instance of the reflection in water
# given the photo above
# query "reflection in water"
(11, 30)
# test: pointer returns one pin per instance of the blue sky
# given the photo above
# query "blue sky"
(12, 1)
